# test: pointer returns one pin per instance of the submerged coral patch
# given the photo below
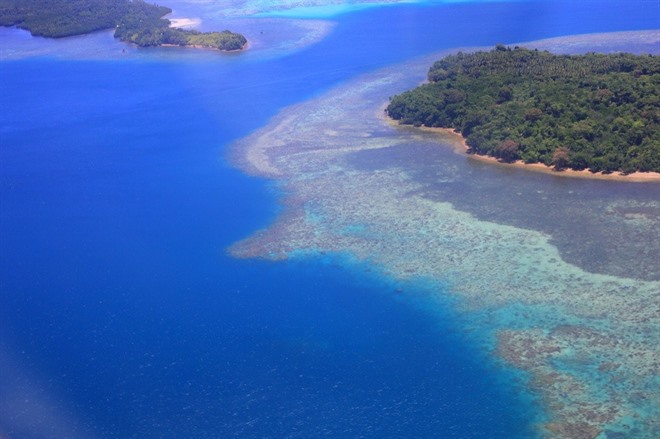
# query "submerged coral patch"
(587, 335)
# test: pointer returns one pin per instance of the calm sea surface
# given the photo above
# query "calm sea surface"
(120, 313)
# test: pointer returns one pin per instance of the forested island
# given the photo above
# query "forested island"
(595, 111)
(135, 21)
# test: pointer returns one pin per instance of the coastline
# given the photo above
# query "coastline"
(364, 196)
(184, 22)
(460, 145)
(349, 188)
(197, 46)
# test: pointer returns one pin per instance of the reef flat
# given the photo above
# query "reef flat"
(586, 328)
(301, 8)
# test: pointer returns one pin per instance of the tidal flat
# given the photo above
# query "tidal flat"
(561, 274)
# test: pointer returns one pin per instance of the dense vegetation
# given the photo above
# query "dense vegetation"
(594, 111)
(135, 21)
(61, 18)
(147, 28)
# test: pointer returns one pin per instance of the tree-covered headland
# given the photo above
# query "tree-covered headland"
(135, 21)
(594, 111)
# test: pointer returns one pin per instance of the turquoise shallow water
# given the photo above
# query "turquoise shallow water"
(595, 224)
(122, 317)
(121, 314)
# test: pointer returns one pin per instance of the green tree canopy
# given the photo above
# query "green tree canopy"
(592, 111)
(135, 21)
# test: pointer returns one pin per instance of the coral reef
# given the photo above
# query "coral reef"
(588, 340)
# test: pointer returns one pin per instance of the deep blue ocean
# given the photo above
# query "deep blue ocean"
(121, 315)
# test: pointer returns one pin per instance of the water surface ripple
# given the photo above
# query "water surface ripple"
(562, 272)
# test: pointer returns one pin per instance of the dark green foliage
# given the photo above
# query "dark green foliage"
(62, 18)
(136, 22)
(143, 25)
(590, 111)
(224, 40)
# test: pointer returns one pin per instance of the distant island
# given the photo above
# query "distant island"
(135, 21)
(595, 111)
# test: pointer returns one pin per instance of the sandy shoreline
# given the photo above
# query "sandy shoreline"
(184, 22)
(584, 338)
(181, 23)
(459, 143)
(197, 46)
